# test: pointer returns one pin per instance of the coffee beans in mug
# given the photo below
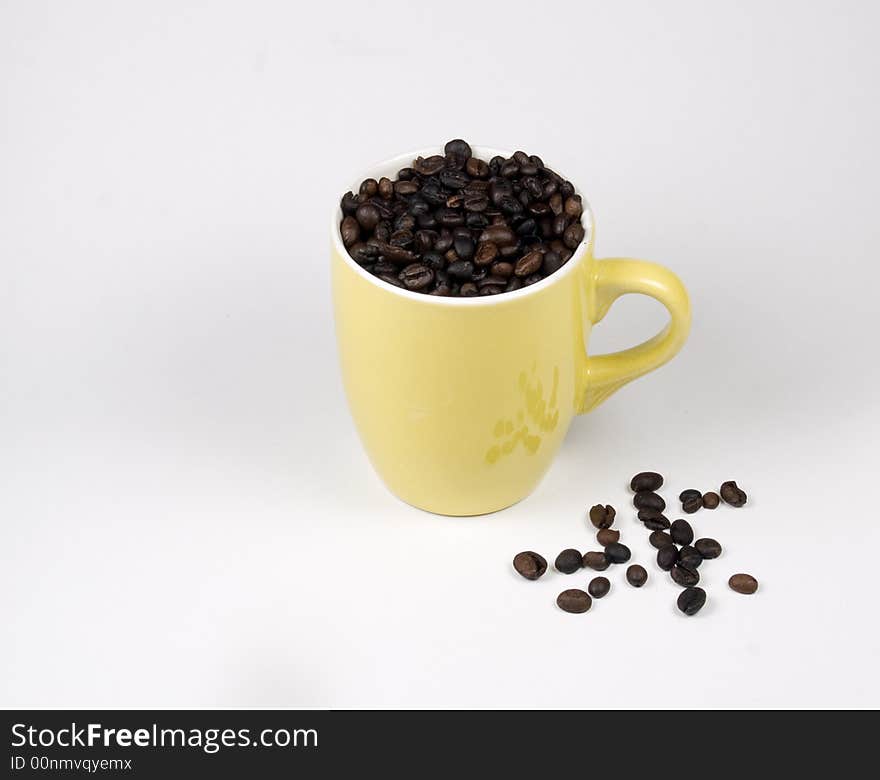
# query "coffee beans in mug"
(617, 552)
(710, 500)
(691, 600)
(732, 495)
(516, 210)
(743, 583)
(681, 532)
(599, 587)
(708, 548)
(574, 600)
(597, 561)
(646, 480)
(568, 561)
(636, 575)
(606, 536)
(602, 516)
(529, 564)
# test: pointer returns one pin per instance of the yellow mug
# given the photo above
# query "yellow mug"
(462, 403)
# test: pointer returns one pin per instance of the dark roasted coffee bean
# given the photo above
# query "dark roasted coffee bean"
(529, 564)
(368, 216)
(559, 225)
(566, 189)
(509, 169)
(464, 247)
(477, 168)
(691, 600)
(660, 539)
(710, 500)
(646, 480)
(647, 499)
(403, 238)
(434, 260)
(690, 493)
(369, 187)
(653, 520)
(449, 217)
(599, 587)
(708, 548)
(509, 251)
(461, 269)
(476, 203)
(682, 575)
(386, 188)
(453, 180)
(416, 276)
(491, 281)
(532, 279)
(743, 583)
(363, 253)
(404, 188)
(500, 235)
(526, 228)
(528, 264)
(429, 166)
(732, 495)
(486, 253)
(514, 283)
(617, 552)
(597, 561)
(574, 207)
(667, 556)
(689, 557)
(573, 235)
(351, 231)
(568, 561)
(574, 600)
(636, 575)
(681, 532)
(510, 206)
(475, 221)
(397, 254)
(469, 290)
(552, 263)
(602, 516)
(459, 147)
(385, 268)
(349, 204)
(425, 240)
(606, 536)
(691, 505)
(502, 269)
(455, 162)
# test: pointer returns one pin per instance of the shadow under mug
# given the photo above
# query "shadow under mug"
(462, 403)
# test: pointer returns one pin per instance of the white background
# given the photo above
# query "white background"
(187, 517)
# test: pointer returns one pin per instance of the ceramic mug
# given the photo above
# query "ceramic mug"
(462, 403)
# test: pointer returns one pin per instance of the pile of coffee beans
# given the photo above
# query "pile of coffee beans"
(456, 225)
(677, 550)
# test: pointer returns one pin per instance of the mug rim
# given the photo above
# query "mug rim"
(393, 164)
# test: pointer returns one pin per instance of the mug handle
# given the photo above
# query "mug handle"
(602, 375)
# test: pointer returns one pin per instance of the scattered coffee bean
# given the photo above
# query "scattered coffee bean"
(692, 504)
(617, 552)
(636, 575)
(688, 494)
(574, 600)
(708, 548)
(499, 212)
(689, 557)
(646, 480)
(732, 495)
(681, 532)
(606, 536)
(743, 583)
(647, 499)
(710, 500)
(598, 587)
(568, 561)
(660, 539)
(597, 561)
(667, 556)
(529, 564)
(691, 600)
(684, 576)
(653, 520)
(602, 516)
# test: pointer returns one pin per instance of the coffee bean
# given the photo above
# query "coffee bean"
(689, 557)
(708, 548)
(502, 269)
(464, 247)
(602, 516)
(429, 166)
(574, 600)
(691, 505)
(681, 532)
(404, 188)
(617, 552)
(486, 253)
(416, 276)
(349, 204)
(368, 216)
(529, 564)
(461, 269)
(684, 576)
(743, 583)
(597, 561)
(459, 147)
(477, 168)
(667, 556)
(710, 500)
(573, 235)
(689, 493)
(532, 279)
(574, 207)
(514, 283)
(599, 587)
(528, 264)
(369, 187)
(351, 231)
(606, 536)
(653, 521)
(732, 495)
(691, 600)
(386, 188)
(646, 481)
(500, 235)
(636, 575)
(659, 539)
(647, 499)
(397, 254)
(552, 263)
(568, 561)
